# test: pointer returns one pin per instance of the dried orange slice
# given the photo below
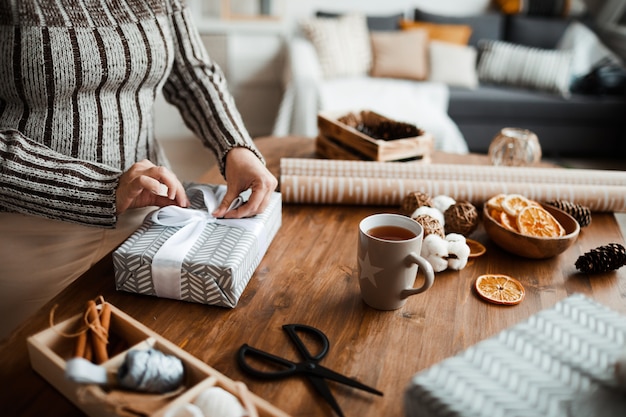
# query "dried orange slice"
(476, 248)
(514, 203)
(537, 221)
(495, 213)
(495, 202)
(508, 221)
(500, 289)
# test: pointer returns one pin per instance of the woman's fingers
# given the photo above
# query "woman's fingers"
(146, 184)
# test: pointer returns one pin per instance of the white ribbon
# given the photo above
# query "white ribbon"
(168, 260)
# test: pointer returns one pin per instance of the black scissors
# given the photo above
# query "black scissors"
(315, 373)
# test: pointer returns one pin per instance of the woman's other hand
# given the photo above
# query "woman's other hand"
(244, 170)
(146, 184)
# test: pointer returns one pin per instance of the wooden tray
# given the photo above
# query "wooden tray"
(49, 350)
(337, 139)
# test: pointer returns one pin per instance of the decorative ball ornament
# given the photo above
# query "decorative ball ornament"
(461, 218)
(514, 146)
(430, 225)
(415, 200)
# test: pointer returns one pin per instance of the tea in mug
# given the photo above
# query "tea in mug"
(391, 233)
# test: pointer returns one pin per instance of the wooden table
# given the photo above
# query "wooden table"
(309, 276)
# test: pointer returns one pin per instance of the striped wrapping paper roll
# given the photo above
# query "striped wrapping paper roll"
(370, 184)
(403, 170)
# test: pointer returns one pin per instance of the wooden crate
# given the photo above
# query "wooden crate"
(337, 140)
(49, 350)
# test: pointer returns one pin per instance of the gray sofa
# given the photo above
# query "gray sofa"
(576, 126)
(579, 125)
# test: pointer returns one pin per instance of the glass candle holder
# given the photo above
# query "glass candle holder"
(514, 146)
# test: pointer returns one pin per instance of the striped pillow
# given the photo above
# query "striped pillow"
(522, 66)
(342, 44)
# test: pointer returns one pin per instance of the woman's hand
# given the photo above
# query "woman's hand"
(245, 170)
(146, 184)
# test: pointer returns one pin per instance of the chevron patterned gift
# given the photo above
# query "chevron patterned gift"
(560, 362)
(187, 254)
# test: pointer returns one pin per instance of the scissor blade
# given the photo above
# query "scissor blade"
(322, 388)
(324, 372)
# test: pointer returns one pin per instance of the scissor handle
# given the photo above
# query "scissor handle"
(289, 368)
(293, 329)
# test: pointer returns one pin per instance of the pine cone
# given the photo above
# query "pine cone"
(602, 259)
(581, 213)
(380, 127)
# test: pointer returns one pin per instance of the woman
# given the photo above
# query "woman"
(79, 165)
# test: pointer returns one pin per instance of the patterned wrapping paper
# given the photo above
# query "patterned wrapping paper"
(218, 265)
(554, 364)
(376, 183)
(403, 170)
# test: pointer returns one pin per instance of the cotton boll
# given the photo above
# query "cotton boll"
(435, 251)
(430, 211)
(442, 202)
(186, 410)
(217, 402)
(457, 246)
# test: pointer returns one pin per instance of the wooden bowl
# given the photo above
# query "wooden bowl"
(533, 247)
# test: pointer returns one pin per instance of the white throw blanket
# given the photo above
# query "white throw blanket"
(424, 104)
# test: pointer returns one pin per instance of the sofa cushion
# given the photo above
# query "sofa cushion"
(374, 23)
(454, 65)
(484, 26)
(587, 49)
(538, 7)
(401, 54)
(516, 65)
(458, 34)
(342, 44)
(538, 32)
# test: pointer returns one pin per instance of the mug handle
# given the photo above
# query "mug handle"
(426, 268)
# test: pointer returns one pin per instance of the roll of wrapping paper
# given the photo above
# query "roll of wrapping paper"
(336, 186)
(403, 170)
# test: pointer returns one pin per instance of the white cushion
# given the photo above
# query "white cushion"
(342, 44)
(586, 48)
(452, 64)
(521, 66)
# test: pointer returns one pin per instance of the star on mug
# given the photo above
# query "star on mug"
(368, 270)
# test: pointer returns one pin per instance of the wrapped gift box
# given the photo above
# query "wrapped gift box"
(560, 362)
(187, 254)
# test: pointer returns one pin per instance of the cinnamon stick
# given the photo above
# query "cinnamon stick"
(99, 336)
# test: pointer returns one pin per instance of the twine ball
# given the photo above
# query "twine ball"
(151, 371)
(461, 217)
(430, 225)
(415, 200)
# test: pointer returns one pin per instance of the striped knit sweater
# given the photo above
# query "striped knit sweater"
(78, 80)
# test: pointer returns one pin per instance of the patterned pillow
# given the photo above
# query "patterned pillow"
(342, 44)
(522, 66)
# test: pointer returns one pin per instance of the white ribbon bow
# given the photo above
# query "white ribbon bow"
(168, 260)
